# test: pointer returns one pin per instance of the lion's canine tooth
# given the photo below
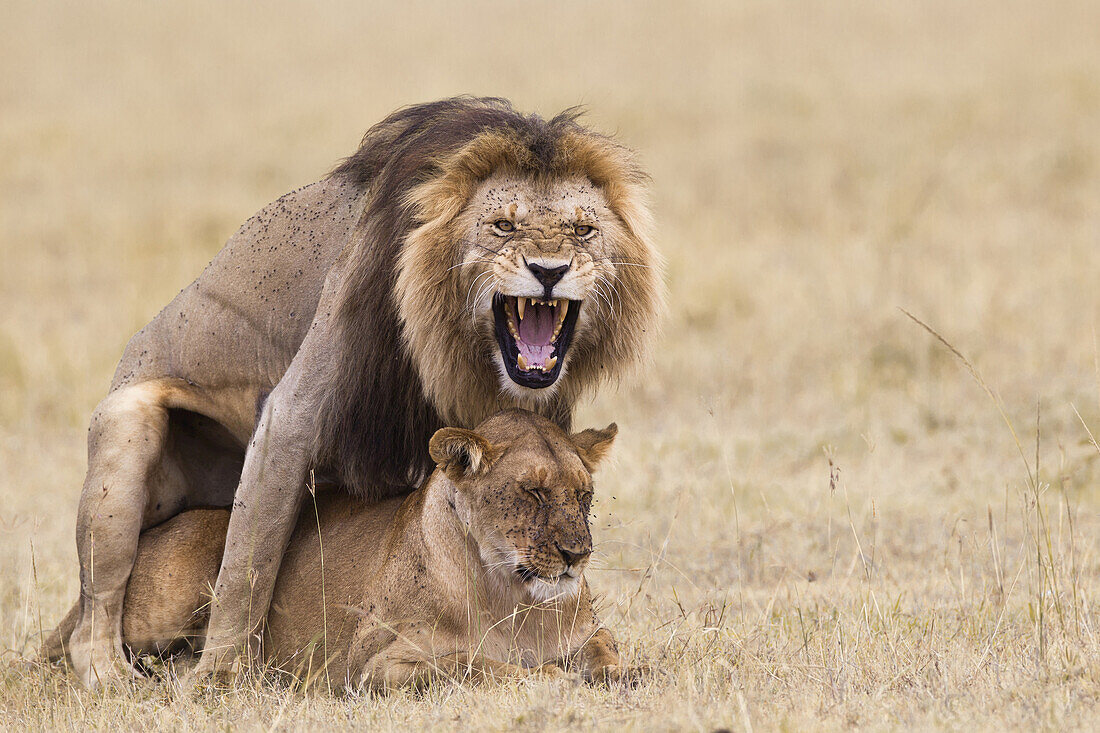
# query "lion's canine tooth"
(564, 305)
(521, 305)
(550, 363)
(521, 362)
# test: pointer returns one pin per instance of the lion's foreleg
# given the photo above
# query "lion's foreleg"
(265, 511)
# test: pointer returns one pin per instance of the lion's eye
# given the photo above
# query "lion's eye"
(538, 495)
(503, 225)
(584, 230)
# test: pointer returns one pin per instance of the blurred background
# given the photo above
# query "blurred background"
(816, 167)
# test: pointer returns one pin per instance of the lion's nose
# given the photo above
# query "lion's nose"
(572, 557)
(547, 276)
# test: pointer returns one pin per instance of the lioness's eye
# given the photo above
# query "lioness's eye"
(583, 230)
(537, 494)
(504, 225)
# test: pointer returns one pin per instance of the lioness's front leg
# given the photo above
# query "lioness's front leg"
(599, 660)
(411, 668)
(386, 657)
(265, 511)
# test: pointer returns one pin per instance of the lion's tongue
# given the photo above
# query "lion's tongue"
(536, 331)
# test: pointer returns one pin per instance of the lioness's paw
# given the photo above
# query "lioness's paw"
(617, 674)
(556, 673)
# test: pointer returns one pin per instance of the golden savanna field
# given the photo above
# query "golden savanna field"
(818, 518)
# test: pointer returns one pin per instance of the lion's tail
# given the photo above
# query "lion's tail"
(55, 647)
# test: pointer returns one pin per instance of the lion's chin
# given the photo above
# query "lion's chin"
(534, 336)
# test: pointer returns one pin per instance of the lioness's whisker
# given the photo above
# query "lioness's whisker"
(500, 563)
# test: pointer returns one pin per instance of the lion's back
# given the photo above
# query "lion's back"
(244, 317)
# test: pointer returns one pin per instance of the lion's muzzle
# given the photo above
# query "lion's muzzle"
(534, 335)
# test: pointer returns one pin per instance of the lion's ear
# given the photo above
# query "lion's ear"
(594, 445)
(462, 453)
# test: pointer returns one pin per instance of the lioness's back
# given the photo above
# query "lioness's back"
(177, 564)
(347, 549)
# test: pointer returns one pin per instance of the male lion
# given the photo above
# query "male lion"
(465, 259)
(477, 574)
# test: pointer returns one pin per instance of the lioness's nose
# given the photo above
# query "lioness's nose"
(572, 557)
(547, 276)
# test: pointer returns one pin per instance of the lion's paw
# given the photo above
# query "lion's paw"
(215, 677)
(104, 670)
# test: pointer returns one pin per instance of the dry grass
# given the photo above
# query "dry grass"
(817, 518)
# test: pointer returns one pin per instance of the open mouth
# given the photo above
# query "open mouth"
(533, 335)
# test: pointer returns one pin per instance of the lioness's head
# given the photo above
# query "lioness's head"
(523, 488)
(527, 270)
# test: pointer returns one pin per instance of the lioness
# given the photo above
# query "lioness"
(478, 573)
(467, 258)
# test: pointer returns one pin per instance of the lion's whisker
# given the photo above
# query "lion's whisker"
(610, 292)
(602, 298)
(472, 284)
(598, 295)
(487, 249)
(484, 288)
(624, 264)
(471, 262)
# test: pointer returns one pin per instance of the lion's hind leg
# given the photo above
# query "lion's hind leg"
(168, 595)
(130, 484)
(55, 647)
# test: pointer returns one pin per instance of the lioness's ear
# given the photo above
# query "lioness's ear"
(594, 445)
(462, 453)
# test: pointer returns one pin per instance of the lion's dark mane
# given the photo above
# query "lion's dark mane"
(375, 421)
